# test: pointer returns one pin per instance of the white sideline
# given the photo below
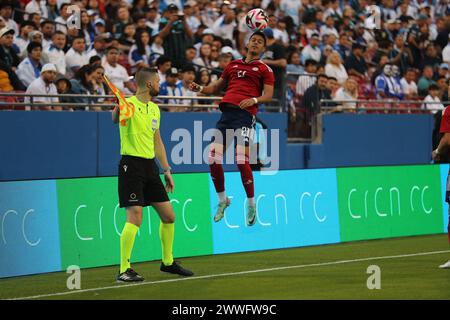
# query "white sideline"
(118, 286)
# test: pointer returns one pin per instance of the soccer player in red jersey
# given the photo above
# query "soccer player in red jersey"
(444, 144)
(250, 82)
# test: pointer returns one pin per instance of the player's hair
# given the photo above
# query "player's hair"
(261, 34)
(144, 74)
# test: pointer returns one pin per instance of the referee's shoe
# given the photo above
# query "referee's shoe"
(175, 268)
(129, 276)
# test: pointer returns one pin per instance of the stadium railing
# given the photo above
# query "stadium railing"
(15, 101)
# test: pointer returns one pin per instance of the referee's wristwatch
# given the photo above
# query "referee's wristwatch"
(167, 170)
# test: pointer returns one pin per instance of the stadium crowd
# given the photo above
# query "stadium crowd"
(329, 49)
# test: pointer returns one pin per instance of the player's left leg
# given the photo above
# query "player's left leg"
(242, 159)
(447, 199)
(166, 234)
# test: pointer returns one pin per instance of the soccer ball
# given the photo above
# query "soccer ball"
(257, 19)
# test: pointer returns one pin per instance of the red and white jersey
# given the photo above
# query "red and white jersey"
(246, 80)
(445, 122)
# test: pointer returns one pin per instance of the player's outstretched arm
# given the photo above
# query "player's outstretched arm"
(266, 97)
(160, 153)
(210, 89)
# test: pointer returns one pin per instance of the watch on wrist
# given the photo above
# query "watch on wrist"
(167, 170)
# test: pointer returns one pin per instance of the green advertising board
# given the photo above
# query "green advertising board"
(91, 221)
(381, 202)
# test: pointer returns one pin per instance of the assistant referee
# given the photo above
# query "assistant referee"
(139, 181)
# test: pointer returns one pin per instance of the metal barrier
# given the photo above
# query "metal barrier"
(93, 101)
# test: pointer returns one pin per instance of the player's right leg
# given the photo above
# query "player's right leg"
(447, 199)
(127, 237)
(215, 159)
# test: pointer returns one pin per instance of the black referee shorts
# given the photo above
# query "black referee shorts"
(139, 182)
(240, 121)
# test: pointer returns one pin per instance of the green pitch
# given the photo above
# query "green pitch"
(409, 270)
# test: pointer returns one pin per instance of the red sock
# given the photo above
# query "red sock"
(247, 178)
(217, 175)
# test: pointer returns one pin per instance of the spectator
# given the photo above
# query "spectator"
(6, 12)
(141, 25)
(8, 51)
(187, 76)
(328, 27)
(52, 10)
(355, 64)
(127, 38)
(48, 30)
(401, 55)
(77, 56)
(157, 48)
(83, 85)
(98, 47)
(207, 37)
(44, 84)
(37, 6)
(163, 64)
(22, 40)
(116, 73)
(9, 80)
(431, 58)
(122, 18)
(315, 93)
(292, 9)
(280, 33)
(55, 52)
(312, 50)
(100, 26)
(335, 68)
(275, 58)
(385, 85)
(153, 18)
(224, 60)
(204, 59)
(176, 34)
(30, 68)
(190, 55)
(443, 71)
(333, 86)
(308, 79)
(63, 20)
(446, 52)
(192, 15)
(425, 81)
(348, 92)
(442, 85)
(170, 87)
(87, 29)
(225, 25)
(63, 86)
(409, 86)
(294, 66)
(139, 55)
(433, 97)
(344, 47)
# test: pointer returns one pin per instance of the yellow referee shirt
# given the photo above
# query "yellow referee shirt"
(137, 132)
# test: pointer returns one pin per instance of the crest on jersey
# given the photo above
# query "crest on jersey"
(154, 123)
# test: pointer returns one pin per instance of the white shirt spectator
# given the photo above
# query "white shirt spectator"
(343, 95)
(22, 44)
(446, 53)
(56, 56)
(12, 24)
(339, 73)
(118, 75)
(291, 9)
(324, 30)
(154, 25)
(61, 24)
(27, 72)
(75, 59)
(162, 77)
(281, 35)
(186, 93)
(408, 88)
(311, 53)
(37, 6)
(38, 86)
(193, 23)
(157, 50)
(223, 30)
(434, 106)
(304, 82)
